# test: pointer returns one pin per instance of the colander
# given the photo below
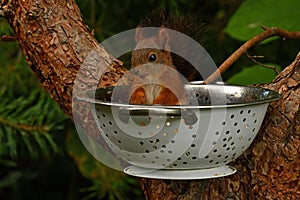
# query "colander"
(192, 141)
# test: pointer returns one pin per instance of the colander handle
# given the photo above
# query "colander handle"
(188, 115)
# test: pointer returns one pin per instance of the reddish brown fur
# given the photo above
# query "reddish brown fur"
(162, 95)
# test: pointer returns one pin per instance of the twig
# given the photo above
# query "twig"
(7, 38)
(269, 32)
(261, 64)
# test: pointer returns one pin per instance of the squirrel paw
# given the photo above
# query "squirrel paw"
(166, 97)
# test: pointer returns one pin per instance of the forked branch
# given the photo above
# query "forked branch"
(268, 33)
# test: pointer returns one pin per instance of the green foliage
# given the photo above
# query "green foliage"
(246, 22)
(26, 124)
(27, 114)
(254, 74)
(107, 183)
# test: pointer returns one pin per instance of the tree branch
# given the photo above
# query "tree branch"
(268, 33)
(253, 58)
(8, 38)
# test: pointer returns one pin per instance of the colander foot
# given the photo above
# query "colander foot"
(180, 174)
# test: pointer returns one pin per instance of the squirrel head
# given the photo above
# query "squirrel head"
(154, 49)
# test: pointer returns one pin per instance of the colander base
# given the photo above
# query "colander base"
(180, 174)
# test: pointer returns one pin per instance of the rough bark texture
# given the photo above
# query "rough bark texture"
(55, 42)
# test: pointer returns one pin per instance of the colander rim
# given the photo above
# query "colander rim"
(269, 96)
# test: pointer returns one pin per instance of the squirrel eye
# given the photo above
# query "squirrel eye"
(152, 57)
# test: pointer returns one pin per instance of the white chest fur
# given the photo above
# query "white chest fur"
(152, 91)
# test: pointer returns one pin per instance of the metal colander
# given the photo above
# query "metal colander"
(197, 137)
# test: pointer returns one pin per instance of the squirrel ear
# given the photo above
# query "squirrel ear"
(163, 38)
(138, 34)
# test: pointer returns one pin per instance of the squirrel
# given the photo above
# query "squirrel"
(160, 67)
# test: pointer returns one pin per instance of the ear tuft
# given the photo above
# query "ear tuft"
(163, 39)
(138, 34)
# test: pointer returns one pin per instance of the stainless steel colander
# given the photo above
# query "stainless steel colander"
(190, 141)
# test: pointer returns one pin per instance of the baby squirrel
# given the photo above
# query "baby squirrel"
(158, 65)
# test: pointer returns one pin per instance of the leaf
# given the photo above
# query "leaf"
(32, 152)
(246, 22)
(253, 74)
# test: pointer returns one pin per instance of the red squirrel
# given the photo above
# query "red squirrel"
(156, 67)
(153, 55)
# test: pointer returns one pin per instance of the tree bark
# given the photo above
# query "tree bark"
(55, 42)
